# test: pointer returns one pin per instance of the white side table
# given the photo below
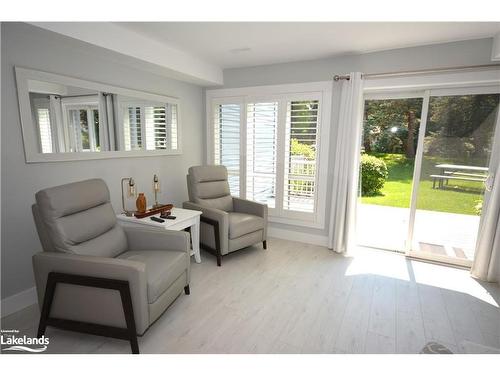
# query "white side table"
(184, 219)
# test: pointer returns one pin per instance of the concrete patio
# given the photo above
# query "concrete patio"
(440, 233)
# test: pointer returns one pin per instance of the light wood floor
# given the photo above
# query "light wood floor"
(298, 298)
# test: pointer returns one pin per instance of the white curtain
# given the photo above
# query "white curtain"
(111, 120)
(346, 164)
(103, 122)
(487, 257)
(57, 126)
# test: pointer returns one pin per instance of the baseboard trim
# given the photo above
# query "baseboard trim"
(18, 301)
(286, 234)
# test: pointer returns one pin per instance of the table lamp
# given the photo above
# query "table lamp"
(156, 189)
(131, 192)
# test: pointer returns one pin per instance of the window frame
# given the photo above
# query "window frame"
(32, 152)
(321, 91)
(88, 104)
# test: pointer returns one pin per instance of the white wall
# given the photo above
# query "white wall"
(472, 52)
(31, 47)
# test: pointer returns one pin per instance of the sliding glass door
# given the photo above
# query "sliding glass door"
(391, 126)
(425, 160)
(454, 158)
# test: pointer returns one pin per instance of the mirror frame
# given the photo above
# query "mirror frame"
(28, 128)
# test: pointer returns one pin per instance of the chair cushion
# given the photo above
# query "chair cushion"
(208, 186)
(208, 173)
(162, 268)
(221, 203)
(241, 224)
(78, 218)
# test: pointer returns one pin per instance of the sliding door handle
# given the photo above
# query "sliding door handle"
(488, 183)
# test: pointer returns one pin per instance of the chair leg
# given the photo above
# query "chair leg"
(264, 244)
(47, 304)
(187, 291)
(129, 319)
(219, 260)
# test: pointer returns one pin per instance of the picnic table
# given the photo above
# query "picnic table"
(458, 172)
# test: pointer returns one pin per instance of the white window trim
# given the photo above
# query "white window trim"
(282, 93)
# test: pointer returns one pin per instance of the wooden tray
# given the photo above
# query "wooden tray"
(154, 211)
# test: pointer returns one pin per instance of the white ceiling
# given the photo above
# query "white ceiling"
(275, 42)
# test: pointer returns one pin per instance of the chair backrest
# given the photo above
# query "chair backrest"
(208, 186)
(78, 218)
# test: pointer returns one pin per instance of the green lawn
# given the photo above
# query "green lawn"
(458, 197)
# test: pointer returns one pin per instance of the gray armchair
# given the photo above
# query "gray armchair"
(95, 276)
(227, 223)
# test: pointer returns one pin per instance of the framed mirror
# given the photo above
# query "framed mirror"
(66, 118)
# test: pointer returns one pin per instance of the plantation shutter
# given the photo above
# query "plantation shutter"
(262, 130)
(300, 155)
(227, 122)
(44, 129)
(173, 126)
(132, 128)
(156, 128)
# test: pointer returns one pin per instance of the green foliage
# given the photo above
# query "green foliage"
(461, 197)
(302, 149)
(304, 165)
(457, 126)
(373, 175)
(478, 208)
(391, 126)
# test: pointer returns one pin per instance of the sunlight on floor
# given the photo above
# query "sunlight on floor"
(378, 262)
(397, 266)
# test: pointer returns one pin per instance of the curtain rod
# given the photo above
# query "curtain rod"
(79, 96)
(416, 72)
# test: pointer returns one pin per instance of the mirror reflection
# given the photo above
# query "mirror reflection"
(74, 119)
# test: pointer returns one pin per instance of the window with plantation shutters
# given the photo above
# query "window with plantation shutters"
(262, 133)
(226, 124)
(149, 126)
(270, 139)
(300, 155)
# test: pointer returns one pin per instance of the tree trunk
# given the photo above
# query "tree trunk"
(410, 140)
(366, 143)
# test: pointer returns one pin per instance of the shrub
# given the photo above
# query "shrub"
(373, 175)
(478, 208)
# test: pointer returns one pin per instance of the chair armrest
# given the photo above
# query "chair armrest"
(156, 239)
(111, 268)
(222, 217)
(250, 207)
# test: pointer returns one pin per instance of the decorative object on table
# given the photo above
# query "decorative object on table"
(166, 213)
(140, 203)
(156, 189)
(153, 211)
(131, 192)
